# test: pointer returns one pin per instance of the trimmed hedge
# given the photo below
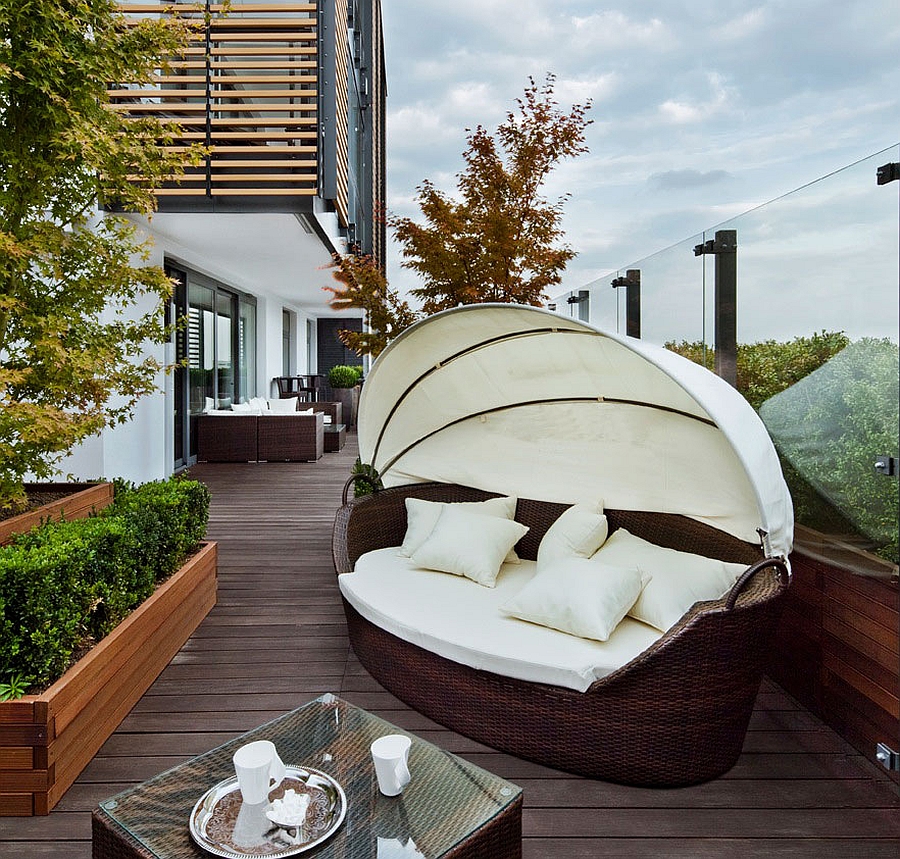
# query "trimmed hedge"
(344, 376)
(66, 584)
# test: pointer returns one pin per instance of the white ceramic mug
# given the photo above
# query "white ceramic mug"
(257, 765)
(390, 754)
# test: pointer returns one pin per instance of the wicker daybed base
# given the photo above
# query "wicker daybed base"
(676, 715)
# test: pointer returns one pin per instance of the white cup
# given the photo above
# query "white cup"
(257, 765)
(390, 754)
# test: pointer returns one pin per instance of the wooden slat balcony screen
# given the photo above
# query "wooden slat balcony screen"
(247, 87)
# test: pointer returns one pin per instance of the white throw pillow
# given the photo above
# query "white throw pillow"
(243, 409)
(577, 533)
(579, 596)
(678, 579)
(469, 544)
(208, 404)
(283, 407)
(422, 516)
(260, 404)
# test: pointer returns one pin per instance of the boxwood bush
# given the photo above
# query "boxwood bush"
(65, 585)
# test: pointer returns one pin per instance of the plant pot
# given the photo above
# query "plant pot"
(46, 740)
(79, 501)
(349, 400)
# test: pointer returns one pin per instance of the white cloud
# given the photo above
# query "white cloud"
(613, 29)
(682, 112)
(762, 97)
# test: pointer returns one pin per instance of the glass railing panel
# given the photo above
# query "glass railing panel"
(818, 274)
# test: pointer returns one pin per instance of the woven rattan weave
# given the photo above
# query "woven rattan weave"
(675, 715)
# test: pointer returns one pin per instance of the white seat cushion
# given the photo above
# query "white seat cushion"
(459, 620)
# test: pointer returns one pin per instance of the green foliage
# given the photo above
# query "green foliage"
(830, 428)
(68, 583)
(72, 347)
(14, 687)
(370, 480)
(831, 407)
(343, 376)
(767, 368)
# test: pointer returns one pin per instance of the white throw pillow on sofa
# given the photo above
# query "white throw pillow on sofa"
(469, 544)
(678, 579)
(577, 533)
(579, 596)
(422, 516)
(260, 404)
(283, 407)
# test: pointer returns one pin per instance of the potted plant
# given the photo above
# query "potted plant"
(90, 612)
(345, 381)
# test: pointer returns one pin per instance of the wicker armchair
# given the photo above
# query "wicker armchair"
(292, 438)
(675, 715)
(226, 438)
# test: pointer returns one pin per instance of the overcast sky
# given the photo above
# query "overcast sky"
(702, 110)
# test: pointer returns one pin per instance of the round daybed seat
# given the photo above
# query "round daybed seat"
(504, 401)
(643, 708)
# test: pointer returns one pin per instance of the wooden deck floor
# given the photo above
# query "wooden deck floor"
(277, 639)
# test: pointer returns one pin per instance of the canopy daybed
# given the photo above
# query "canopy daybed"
(504, 401)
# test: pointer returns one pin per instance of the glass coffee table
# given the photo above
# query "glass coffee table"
(450, 808)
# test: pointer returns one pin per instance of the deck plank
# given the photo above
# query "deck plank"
(277, 639)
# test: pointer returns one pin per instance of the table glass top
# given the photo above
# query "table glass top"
(445, 801)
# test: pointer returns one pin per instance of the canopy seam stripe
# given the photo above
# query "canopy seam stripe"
(543, 402)
(439, 365)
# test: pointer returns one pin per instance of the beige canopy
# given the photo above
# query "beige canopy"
(522, 401)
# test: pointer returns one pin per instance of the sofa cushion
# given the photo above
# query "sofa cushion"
(678, 579)
(455, 618)
(579, 596)
(577, 533)
(281, 407)
(469, 544)
(422, 516)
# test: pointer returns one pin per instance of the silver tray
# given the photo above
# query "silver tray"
(223, 825)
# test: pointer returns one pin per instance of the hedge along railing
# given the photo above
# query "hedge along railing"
(66, 585)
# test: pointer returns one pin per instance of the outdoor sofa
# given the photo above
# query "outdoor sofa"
(614, 421)
(261, 431)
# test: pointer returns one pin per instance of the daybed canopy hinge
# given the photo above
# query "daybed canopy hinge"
(764, 542)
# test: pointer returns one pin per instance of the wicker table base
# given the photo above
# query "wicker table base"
(450, 809)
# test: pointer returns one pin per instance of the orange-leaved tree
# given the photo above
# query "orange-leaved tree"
(364, 286)
(498, 239)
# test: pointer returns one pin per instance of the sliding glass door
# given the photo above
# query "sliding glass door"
(216, 351)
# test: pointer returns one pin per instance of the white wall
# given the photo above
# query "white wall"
(143, 448)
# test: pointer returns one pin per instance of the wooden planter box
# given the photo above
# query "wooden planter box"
(83, 499)
(46, 740)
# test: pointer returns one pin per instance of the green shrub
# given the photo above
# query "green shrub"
(343, 376)
(171, 517)
(65, 584)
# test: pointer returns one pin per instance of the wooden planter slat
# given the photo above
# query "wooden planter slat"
(77, 505)
(61, 730)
